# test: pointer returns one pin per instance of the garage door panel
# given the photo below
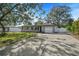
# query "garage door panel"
(48, 29)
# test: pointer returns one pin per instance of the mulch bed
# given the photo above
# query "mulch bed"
(75, 35)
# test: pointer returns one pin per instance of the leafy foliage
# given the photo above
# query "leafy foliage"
(14, 13)
(38, 23)
(59, 15)
(74, 27)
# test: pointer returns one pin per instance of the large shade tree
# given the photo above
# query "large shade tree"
(11, 14)
(59, 15)
(39, 23)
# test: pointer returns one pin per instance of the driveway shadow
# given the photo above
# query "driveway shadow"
(39, 46)
(22, 48)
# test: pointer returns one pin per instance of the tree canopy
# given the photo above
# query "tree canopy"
(13, 13)
(59, 15)
(39, 23)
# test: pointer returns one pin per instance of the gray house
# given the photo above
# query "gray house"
(45, 28)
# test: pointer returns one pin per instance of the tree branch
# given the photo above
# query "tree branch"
(1, 18)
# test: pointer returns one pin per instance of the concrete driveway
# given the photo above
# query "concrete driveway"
(45, 45)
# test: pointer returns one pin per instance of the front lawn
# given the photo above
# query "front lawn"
(12, 37)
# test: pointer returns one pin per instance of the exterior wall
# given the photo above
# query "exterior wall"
(15, 29)
(44, 29)
(12, 29)
(29, 29)
(6, 29)
(21, 29)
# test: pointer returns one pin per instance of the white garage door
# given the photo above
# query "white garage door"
(48, 29)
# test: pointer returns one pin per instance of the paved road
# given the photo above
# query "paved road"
(45, 45)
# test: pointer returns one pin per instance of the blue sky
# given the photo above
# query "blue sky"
(74, 7)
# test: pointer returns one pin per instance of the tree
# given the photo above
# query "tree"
(38, 23)
(11, 14)
(70, 26)
(70, 21)
(75, 26)
(60, 15)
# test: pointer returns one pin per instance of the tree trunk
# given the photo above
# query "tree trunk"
(59, 23)
(3, 29)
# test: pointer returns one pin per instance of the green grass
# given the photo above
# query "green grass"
(12, 37)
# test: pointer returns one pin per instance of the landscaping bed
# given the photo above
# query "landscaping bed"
(13, 37)
(76, 36)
